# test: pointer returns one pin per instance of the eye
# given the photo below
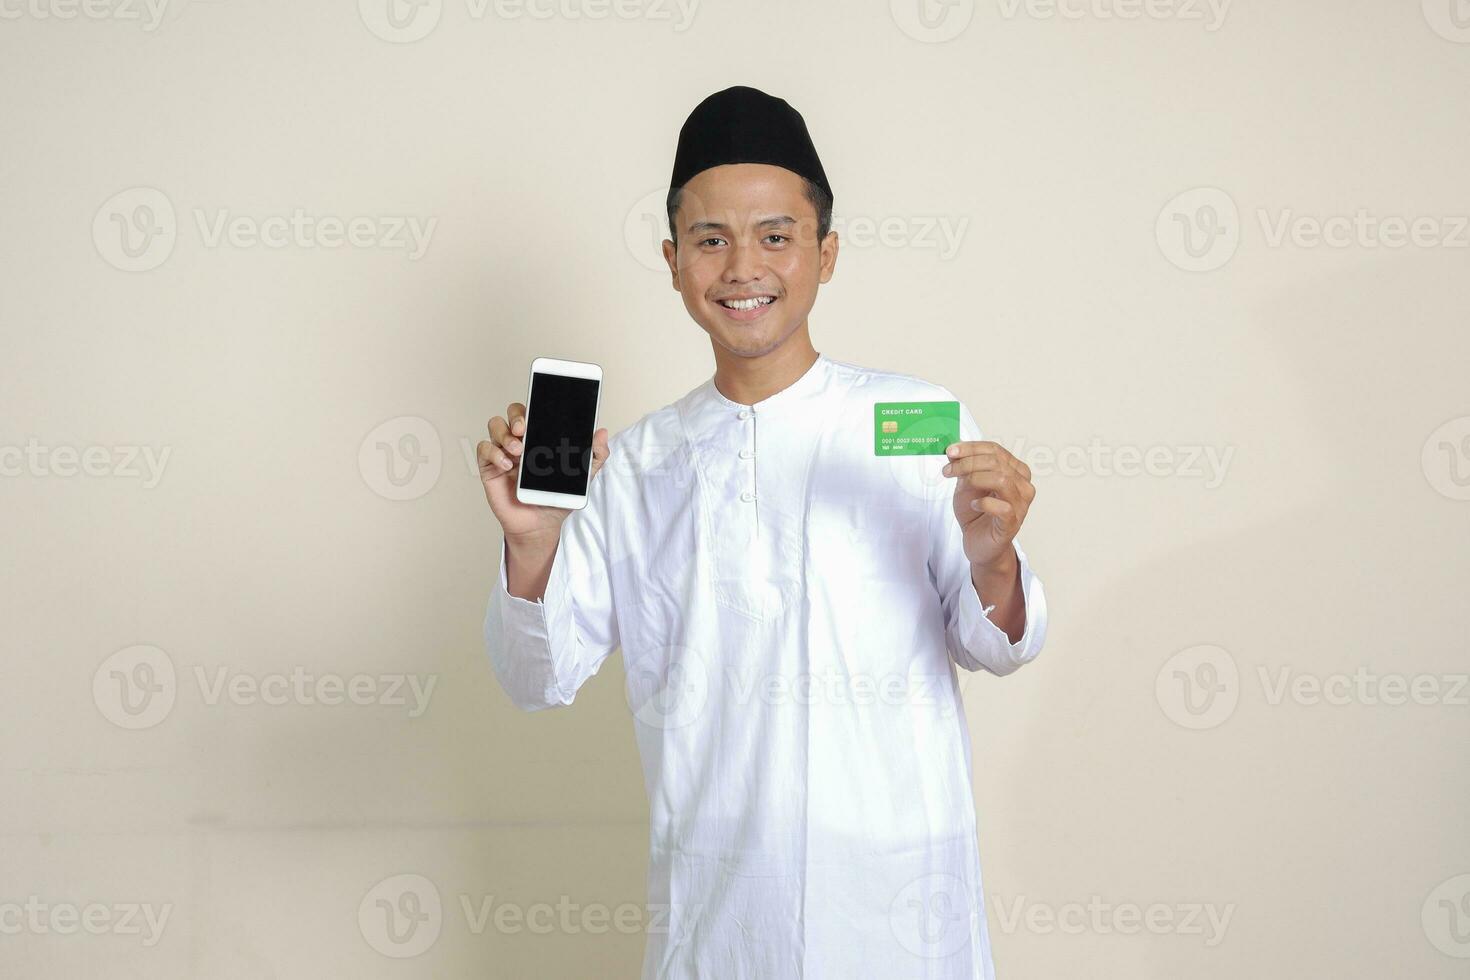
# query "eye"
(707, 241)
(782, 238)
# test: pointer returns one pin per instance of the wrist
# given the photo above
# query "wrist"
(528, 560)
(1003, 566)
(997, 579)
(533, 542)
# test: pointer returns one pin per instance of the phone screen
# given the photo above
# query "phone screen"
(559, 426)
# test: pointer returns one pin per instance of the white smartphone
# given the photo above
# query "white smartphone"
(561, 415)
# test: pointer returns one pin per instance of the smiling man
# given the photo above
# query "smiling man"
(794, 558)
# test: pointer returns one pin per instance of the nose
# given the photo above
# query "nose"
(742, 263)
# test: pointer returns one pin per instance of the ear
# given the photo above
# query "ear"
(829, 256)
(671, 256)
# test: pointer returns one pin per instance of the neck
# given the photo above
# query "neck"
(747, 380)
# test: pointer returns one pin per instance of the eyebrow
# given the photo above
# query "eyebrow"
(779, 221)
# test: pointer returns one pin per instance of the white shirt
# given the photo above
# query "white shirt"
(791, 608)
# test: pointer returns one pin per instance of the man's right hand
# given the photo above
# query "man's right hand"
(500, 459)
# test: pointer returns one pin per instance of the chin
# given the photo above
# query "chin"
(749, 344)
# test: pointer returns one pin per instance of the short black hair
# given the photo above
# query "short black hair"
(818, 198)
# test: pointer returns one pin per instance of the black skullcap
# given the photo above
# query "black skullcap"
(745, 125)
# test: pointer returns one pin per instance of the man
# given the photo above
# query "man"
(790, 604)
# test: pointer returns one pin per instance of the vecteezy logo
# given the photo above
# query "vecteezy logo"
(1446, 459)
(1198, 687)
(922, 476)
(401, 21)
(932, 21)
(1450, 19)
(1446, 917)
(1199, 230)
(401, 916)
(668, 689)
(136, 687)
(401, 459)
(645, 227)
(135, 230)
(932, 916)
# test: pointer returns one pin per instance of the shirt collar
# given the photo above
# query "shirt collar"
(809, 383)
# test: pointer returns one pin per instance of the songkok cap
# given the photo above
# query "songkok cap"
(745, 125)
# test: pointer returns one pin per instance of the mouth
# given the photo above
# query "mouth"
(746, 307)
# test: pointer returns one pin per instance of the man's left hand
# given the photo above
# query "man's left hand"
(991, 498)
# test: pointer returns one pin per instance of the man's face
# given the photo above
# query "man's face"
(748, 261)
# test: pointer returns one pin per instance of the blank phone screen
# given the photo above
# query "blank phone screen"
(562, 415)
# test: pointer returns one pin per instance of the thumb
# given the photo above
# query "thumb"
(599, 450)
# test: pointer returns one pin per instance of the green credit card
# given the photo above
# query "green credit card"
(915, 428)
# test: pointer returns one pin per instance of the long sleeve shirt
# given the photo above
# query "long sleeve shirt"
(792, 610)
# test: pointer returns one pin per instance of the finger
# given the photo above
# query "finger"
(494, 461)
(1013, 467)
(983, 450)
(956, 450)
(999, 483)
(969, 464)
(599, 449)
(1002, 511)
(500, 434)
(515, 412)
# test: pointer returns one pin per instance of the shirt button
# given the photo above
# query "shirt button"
(745, 413)
(747, 496)
(747, 453)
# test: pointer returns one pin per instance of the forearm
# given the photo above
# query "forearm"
(999, 585)
(528, 560)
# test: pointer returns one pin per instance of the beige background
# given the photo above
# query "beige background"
(1332, 544)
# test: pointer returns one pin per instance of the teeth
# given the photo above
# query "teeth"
(747, 304)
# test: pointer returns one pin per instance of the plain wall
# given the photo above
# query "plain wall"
(1259, 445)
